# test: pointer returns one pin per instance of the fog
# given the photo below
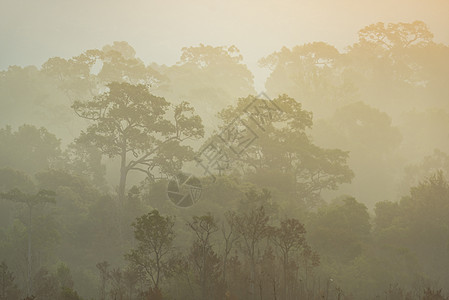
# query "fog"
(31, 31)
(224, 150)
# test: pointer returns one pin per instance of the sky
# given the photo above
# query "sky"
(33, 31)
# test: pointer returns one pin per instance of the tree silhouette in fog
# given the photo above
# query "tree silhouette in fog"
(128, 121)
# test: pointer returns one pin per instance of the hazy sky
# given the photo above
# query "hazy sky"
(33, 31)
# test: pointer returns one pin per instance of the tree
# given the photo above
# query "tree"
(86, 74)
(64, 276)
(128, 120)
(396, 35)
(280, 147)
(30, 97)
(130, 278)
(205, 260)
(85, 160)
(55, 285)
(253, 227)
(104, 278)
(120, 64)
(31, 201)
(155, 236)
(29, 149)
(215, 76)
(309, 259)
(288, 237)
(364, 130)
(340, 230)
(73, 190)
(69, 294)
(388, 64)
(254, 199)
(11, 179)
(230, 237)
(117, 281)
(373, 143)
(74, 76)
(8, 289)
(311, 72)
(424, 216)
(46, 285)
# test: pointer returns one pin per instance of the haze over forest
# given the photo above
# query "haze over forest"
(318, 151)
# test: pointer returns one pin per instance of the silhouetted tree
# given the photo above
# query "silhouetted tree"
(205, 261)
(104, 278)
(288, 237)
(46, 285)
(117, 291)
(253, 227)
(155, 236)
(129, 120)
(230, 237)
(296, 163)
(130, 278)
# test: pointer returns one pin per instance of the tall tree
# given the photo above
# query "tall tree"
(204, 258)
(31, 201)
(388, 67)
(253, 228)
(129, 120)
(396, 35)
(269, 141)
(208, 77)
(230, 237)
(288, 238)
(311, 72)
(155, 236)
(104, 278)
(87, 73)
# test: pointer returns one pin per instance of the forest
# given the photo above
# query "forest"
(123, 179)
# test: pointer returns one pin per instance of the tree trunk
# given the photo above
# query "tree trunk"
(284, 285)
(252, 277)
(123, 174)
(30, 280)
(121, 192)
(274, 289)
(203, 273)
